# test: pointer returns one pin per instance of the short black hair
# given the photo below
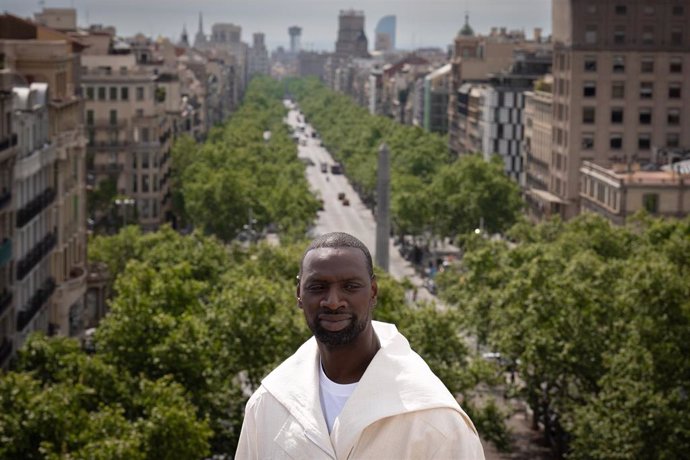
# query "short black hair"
(338, 240)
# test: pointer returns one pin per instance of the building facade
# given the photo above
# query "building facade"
(620, 85)
(385, 34)
(352, 40)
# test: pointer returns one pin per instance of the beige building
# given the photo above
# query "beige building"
(44, 56)
(129, 136)
(617, 191)
(620, 85)
(537, 150)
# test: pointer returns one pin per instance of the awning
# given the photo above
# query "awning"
(544, 195)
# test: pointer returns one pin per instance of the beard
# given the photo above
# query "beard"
(334, 339)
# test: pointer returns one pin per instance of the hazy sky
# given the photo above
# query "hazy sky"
(420, 22)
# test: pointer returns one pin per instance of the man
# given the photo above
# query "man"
(356, 389)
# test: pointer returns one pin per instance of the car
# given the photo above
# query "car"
(341, 195)
(346, 202)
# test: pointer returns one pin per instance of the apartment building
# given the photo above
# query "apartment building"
(536, 151)
(129, 135)
(617, 191)
(489, 114)
(34, 192)
(474, 58)
(434, 103)
(620, 86)
(8, 153)
(49, 176)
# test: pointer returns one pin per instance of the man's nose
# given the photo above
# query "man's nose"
(332, 299)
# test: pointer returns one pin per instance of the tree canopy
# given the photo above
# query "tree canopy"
(597, 318)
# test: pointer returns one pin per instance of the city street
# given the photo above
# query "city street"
(356, 218)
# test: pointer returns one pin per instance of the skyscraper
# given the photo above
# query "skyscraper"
(352, 40)
(385, 34)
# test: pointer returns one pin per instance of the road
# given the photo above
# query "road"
(355, 219)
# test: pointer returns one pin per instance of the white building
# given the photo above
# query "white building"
(34, 195)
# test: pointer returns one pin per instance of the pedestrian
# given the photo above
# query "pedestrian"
(355, 389)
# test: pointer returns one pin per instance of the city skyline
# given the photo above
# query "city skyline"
(419, 23)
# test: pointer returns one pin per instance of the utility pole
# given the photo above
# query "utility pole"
(383, 223)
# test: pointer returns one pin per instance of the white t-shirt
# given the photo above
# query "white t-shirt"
(333, 397)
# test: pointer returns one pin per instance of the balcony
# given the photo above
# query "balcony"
(5, 350)
(35, 206)
(8, 142)
(5, 301)
(35, 304)
(36, 254)
(5, 197)
(5, 251)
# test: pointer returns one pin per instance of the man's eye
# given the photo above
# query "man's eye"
(314, 287)
(352, 286)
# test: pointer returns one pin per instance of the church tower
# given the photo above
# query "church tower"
(200, 38)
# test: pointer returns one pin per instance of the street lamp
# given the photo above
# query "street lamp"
(124, 202)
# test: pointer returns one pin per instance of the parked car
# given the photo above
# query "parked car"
(341, 195)
(346, 202)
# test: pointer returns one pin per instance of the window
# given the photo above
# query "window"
(647, 65)
(90, 93)
(591, 34)
(673, 117)
(145, 160)
(589, 89)
(646, 90)
(145, 135)
(674, 91)
(155, 182)
(134, 160)
(678, 10)
(618, 64)
(648, 35)
(140, 93)
(145, 183)
(650, 202)
(588, 115)
(619, 35)
(616, 141)
(644, 141)
(89, 117)
(124, 93)
(676, 36)
(134, 183)
(140, 112)
(101, 93)
(617, 90)
(617, 115)
(672, 140)
(113, 93)
(587, 141)
(113, 117)
(645, 116)
(675, 65)
(590, 64)
(621, 10)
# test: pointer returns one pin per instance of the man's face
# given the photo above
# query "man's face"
(336, 294)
